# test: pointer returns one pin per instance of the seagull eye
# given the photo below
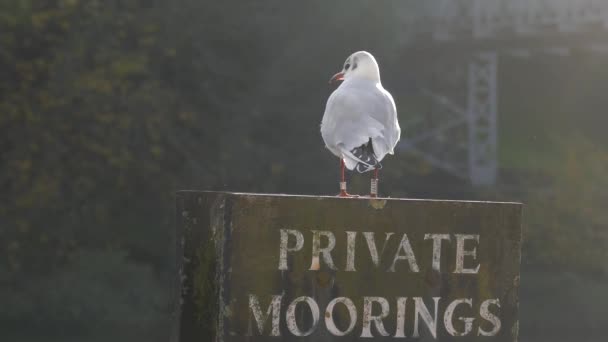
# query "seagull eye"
(346, 66)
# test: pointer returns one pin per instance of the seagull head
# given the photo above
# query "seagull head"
(359, 65)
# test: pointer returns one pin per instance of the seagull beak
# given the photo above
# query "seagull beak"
(337, 77)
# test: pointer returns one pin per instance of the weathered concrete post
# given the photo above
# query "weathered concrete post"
(307, 268)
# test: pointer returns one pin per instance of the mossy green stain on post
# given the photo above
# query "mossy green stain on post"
(205, 292)
(236, 242)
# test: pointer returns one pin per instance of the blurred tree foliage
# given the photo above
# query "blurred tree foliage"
(107, 107)
(92, 142)
(566, 247)
(567, 227)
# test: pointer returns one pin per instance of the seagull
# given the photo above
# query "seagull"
(360, 123)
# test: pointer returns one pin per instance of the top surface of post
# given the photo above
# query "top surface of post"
(184, 193)
(266, 267)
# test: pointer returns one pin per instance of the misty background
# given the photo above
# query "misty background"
(108, 107)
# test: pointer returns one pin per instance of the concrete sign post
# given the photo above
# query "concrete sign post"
(307, 268)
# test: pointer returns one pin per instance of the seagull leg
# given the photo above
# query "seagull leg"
(374, 185)
(343, 192)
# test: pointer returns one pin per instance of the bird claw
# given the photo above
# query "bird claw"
(343, 193)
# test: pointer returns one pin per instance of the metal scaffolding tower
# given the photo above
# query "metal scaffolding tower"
(481, 118)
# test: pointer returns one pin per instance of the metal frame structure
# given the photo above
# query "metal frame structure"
(484, 26)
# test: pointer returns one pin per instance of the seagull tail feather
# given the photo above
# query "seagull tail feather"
(362, 159)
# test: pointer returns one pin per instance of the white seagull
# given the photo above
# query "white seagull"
(360, 123)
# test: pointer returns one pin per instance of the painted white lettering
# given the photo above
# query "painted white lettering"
(325, 251)
(371, 245)
(423, 312)
(461, 253)
(437, 248)
(401, 317)
(261, 317)
(292, 324)
(449, 313)
(285, 248)
(368, 318)
(409, 255)
(350, 251)
(485, 313)
(329, 316)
